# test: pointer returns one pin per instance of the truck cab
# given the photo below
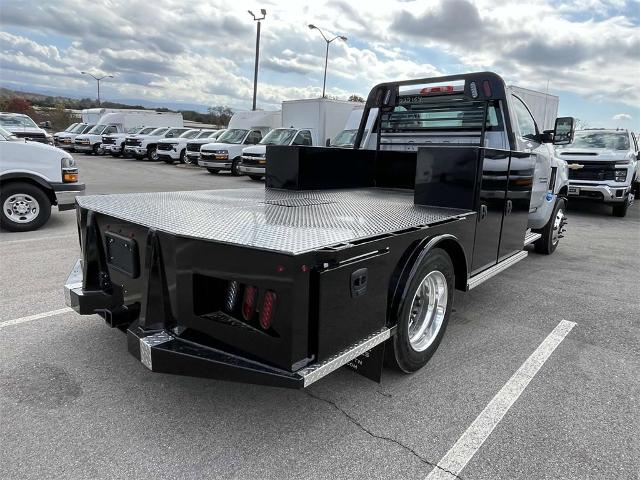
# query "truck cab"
(192, 154)
(253, 160)
(33, 177)
(226, 151)
(604, 167)
(91, 142)
(22, 126)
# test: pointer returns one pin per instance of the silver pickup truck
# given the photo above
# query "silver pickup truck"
(603, 167)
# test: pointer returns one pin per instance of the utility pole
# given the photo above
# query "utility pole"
(326, 56)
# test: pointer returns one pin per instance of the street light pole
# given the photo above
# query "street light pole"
(97, 79)
(326, 56)
(255, 71)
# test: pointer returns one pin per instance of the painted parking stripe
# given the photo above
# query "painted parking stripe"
(37, 316)
(37, 239)
(472, 439)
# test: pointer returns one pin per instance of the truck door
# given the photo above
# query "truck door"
(529, 155)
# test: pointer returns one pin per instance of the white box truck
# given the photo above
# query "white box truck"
(245, 128)
(311, 122)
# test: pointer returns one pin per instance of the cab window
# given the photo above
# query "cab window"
(254, 137)
(110, 129)
(303, 138)
(526, 123)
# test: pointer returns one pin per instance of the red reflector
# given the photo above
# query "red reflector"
(248, 303)
(268, 306)
(443, 89)
(486, 87)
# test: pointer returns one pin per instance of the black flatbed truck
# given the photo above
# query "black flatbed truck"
(345, 253)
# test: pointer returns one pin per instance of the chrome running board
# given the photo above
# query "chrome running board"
(531, 237)
(496, 269)
(315, 372)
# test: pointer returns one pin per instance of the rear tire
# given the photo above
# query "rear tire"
(24, 206)
(213, 171)
(257, 178)
(551, 232)
(424, 313)
(620, 210)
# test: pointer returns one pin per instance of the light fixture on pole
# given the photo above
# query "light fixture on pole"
(97, 79)
(326, 57)
(255, 71)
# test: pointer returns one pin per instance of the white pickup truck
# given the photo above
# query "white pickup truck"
(22, 126)
(33, 177)
(193, 146)
(114, 142)
(91, 142)
(175, 149)
(65, 140)
(254, 161)
(145, 146)
(70, 128)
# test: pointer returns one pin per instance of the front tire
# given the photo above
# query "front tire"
(183, 156)
(620, 210)
(552, 231)
(424, 313)
(25, 207)
(234, 167)
(152, 154)
(213, 171)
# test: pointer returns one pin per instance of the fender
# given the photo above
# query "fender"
(43, 182)
(414, 260)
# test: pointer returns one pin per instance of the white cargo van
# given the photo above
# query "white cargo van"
(122, 122)
(22, 126)
(345, 138)
(66, 139)
(245, 128)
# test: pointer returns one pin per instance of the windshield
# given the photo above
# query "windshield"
(98, 129)
(79, 128)
(158, 131)
(71, 127)
(345, 138)
(175, 132)
(133, 130)
(14, 121)
(86, 129)
(218, 134)
(279, 136)
(205, 134)
(234, 135)
(146, 131)
(608, 140)
(190, 134)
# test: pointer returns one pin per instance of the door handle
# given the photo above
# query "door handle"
(483, 212)
(508, 207)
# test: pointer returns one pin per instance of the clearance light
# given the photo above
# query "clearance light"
(437, 90)
(268, 306)
(248, 303)
(70, 176)
(231, 297)
(474, 90)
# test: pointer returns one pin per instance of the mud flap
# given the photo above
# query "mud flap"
(370, 363)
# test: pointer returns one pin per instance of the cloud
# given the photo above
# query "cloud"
(622, 117)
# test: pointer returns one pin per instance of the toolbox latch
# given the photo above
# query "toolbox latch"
(359, 282)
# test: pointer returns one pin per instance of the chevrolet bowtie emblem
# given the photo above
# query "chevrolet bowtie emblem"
(575, 166)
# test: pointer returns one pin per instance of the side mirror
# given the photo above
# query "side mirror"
(563, 131)
(327, 143)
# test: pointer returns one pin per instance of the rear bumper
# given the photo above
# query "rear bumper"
(66, 194)
(602, 193)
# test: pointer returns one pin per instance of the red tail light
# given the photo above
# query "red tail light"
(268, 307)
(249, 301)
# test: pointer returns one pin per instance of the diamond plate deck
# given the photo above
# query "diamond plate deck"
(291, 222)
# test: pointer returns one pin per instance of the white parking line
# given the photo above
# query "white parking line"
(37, 316)
(37, 239)
(472, 439)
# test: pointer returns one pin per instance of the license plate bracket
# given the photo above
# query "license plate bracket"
(574, 191)
(122, 254)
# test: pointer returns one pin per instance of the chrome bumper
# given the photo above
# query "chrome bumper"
(251, 170)
(214, 163)
(609, 194)
(66, 199)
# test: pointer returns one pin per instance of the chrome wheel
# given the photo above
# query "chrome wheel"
(21, 208)
(558, 225)
(428, 310)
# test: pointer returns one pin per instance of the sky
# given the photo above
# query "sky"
(202, 52)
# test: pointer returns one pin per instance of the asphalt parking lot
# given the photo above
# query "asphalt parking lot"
(75, 404)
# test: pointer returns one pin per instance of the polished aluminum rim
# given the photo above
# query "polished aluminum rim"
(21, 208)
(557, 226)
(427, 311)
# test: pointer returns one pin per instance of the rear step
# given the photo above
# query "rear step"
(162, 352)
(531, 237)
